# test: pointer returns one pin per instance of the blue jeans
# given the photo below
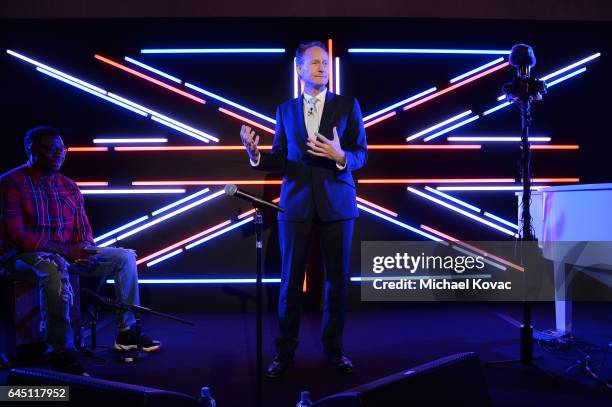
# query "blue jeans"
(51, 272)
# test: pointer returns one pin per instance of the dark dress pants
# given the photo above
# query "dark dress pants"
(335, 245)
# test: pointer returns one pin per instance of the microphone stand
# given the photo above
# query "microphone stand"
(93, 311)
(526, 235)
(258, 204)
(258, 301)
(523, 91)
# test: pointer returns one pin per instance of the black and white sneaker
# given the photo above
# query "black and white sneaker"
(127, 341)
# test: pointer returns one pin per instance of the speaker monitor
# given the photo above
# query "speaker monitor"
(85, 390)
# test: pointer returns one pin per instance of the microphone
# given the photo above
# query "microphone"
(522, 59)
(311, 111)
(524, 88)
(233, 190)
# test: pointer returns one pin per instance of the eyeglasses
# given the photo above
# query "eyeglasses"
(54, 149)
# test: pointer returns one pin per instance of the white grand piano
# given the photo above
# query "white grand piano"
(572, 224)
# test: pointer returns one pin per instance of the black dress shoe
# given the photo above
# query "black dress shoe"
(341, 362)
(279, 367)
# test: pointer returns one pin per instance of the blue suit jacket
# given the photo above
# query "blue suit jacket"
(313, 183)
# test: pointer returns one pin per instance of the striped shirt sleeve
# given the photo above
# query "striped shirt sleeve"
(82, 229)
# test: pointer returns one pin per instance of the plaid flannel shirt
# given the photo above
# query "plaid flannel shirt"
(36, 208)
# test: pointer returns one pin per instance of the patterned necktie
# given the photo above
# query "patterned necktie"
(312, 125)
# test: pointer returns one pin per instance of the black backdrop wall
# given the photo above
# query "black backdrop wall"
(573, 113)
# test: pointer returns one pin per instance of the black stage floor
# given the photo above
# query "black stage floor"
(220, 352)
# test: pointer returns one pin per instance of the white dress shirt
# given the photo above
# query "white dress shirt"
(313, 111)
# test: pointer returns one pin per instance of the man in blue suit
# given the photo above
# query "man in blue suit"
(319, 140)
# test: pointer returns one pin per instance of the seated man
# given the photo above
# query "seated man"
(45, 235)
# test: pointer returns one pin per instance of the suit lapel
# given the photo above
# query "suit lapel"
(299, 114)
(325, 127)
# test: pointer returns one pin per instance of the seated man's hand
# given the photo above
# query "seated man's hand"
(80, 253)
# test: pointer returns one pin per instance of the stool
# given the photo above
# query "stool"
(21, 339)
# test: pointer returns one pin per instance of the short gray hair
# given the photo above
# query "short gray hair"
(302, 48)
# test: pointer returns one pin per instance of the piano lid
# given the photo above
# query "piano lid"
(577, 187)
